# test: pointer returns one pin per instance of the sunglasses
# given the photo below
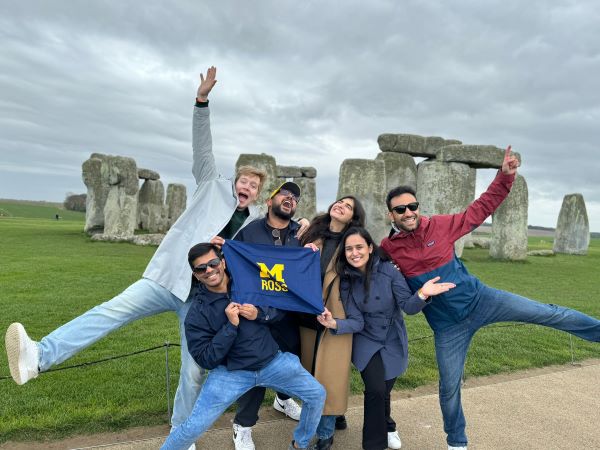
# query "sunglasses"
(277, 235)
(287, 193)
(401, 209)
(213, 264)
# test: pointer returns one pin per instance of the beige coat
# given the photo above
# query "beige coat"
(333, 352)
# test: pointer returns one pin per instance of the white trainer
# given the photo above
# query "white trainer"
(23, 354)
(450, 447)
(394, 440)
(289, 407)
(242, 437)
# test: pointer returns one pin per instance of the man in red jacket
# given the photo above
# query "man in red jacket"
(423, 248)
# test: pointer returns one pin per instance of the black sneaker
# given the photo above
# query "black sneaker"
(340, 423)
(325, 444)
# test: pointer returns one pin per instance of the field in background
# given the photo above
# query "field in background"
(37, 210)
(50, 272)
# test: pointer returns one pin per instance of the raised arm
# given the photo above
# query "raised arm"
(204, 167)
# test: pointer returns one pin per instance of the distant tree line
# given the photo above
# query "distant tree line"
(75, 202)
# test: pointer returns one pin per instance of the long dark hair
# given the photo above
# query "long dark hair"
(344, 269)
(319, 227)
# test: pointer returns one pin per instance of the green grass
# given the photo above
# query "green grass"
(31, 210)
(50, 272)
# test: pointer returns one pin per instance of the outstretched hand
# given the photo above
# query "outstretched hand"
(206, 84)
(432, 287)
(510, 163)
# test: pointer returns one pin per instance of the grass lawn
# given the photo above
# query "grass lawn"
(50, 272)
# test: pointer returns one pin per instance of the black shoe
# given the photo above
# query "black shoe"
(324, 444)
(340, 423)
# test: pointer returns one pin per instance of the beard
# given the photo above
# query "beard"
(278, 212)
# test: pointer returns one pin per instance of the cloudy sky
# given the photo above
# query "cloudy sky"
(311, 83)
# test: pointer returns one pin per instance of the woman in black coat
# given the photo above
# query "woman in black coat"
(375, 294)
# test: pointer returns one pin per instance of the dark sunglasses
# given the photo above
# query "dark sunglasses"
(213, 264)
(287, 193)
(277, 235)
(401, 209)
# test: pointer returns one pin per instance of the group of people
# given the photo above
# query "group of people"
(366, 290)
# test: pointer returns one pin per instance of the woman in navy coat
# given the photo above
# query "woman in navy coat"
(375, 294)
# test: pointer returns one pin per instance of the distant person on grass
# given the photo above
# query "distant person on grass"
(234, 341)
(219, 206)
(423, 248)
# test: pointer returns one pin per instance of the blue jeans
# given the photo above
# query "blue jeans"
(142, 299)
(223, 387)
(326, 427)
(452, 343)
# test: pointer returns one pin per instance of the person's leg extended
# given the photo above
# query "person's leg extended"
(502, 306)
(141, 299)
(221, 389)
(374, 433)
(451, 346)
(286, 374)
(191, 376)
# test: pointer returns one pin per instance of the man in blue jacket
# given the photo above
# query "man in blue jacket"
(235, 343)
(275, 228)
(423, 248)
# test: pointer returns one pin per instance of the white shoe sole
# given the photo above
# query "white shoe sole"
(13, 342)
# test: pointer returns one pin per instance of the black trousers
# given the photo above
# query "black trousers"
(287, 335)
(377, 421)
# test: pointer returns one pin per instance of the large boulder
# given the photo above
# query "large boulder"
(97, 191)
(509, 224)
(572, 234)
(307, 207)
(176, 202)
(412, 144)
(400, 170)
(365, 179)
(477, 156)
(120, 210)
(445, 188)
(152, 213)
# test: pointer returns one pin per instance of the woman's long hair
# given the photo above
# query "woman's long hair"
(319, 227)
(343, 267)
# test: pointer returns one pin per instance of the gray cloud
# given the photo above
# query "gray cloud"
(312, 83)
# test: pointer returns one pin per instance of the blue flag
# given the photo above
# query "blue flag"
(281, 277)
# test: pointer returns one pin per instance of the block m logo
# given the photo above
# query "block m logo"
(276, 272)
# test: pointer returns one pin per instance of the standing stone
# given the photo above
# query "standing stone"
(176, 202)
(289, 172)
(572, 234)
(445, 188)
(266, 163)
(97, 191)
(120, 210)
(365, 179)
(152, 213)
(307, 207)
(400, 170)
(509, 224)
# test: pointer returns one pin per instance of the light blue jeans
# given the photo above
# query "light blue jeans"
(326, 427)
(142, 299)
(223, 387)
(451, 344)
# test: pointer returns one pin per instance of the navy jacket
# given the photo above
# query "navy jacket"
(213, 341)
(376, 320)
(285, 331)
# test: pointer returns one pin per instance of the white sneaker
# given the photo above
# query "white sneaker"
(23, 354)
(456, 448)
(289, 407)
(242, 437)
(394, 440)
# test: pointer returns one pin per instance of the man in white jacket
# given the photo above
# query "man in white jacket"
(219, 206)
